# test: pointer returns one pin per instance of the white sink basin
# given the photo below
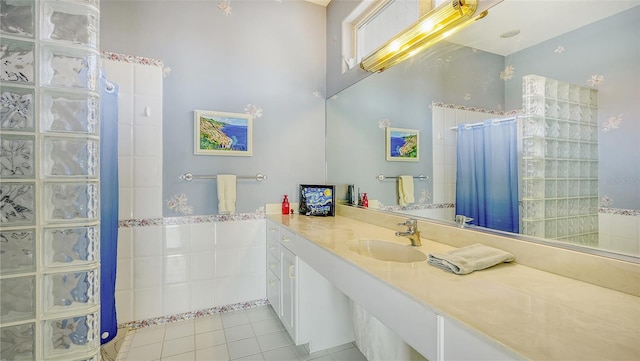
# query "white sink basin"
(386, 251)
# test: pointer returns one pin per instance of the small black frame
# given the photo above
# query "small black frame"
(317, 200)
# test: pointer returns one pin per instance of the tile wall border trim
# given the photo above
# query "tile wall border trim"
(476, 109)
(415, 207)
(172, 221)
(132, 59)
(620, 211)
(163, 320)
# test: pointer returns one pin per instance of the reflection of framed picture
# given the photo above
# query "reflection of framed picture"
(402, 144)
(317, 200)
(219, 133)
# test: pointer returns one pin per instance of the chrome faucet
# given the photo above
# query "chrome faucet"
(412, 232)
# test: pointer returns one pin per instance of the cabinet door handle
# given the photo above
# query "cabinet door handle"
(272, 265)
(272, 229)
(272, 247)
(284, 239)
(272, 282)
(292, 269)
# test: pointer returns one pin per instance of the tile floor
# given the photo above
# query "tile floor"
(254, 334)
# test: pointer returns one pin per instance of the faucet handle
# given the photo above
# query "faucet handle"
(461, 220)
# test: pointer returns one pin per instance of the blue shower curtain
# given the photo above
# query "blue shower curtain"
(487, 175)
(108, 208)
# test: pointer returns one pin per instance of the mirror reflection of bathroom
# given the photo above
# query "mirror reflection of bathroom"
(532, 114)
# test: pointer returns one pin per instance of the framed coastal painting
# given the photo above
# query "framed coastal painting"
(221, 133)
(317, 200)
(402, 144)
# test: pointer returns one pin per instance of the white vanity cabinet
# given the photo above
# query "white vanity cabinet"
(460, 344)
(289, 292)
(312, 310)
(274, 284)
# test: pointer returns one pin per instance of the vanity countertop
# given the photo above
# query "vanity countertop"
(536, 314)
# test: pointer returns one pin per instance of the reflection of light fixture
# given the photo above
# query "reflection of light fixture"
(432, 27)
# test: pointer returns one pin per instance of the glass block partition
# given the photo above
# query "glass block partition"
(49, 202)
(559, 161)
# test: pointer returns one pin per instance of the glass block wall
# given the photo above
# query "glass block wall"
(49, 153)
(559, 160)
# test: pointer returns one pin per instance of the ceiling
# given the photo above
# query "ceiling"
(319, 2)
(537, 20)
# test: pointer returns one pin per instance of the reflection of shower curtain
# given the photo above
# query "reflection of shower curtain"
(487, 175)
(108, 207)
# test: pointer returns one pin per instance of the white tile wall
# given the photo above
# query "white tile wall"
(177, 239)
(203, 237)
(147, 272)
(139, 137)
(164, 270)
(143, 237)
(619, 233)
(189, 267)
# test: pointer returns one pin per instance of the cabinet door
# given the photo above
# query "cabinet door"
(273, 292)
(289, 283)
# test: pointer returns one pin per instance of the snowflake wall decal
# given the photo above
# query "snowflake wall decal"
(253, 110)
(595, 80)
(225, 6)
(178, 204)
(317, 93)
(425, 195)
(606, 201)
(467, 96)
(559, 49)
(384, 123)
(612, 123)
(507, 73)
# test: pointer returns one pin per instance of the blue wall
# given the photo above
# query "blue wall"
(610, 48)
(266, 53)
(403, 94)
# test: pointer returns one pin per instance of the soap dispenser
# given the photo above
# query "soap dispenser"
(285, 205)
(365, 200)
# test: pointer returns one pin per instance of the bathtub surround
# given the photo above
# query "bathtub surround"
(179, 265)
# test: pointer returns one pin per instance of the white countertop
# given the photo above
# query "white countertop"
(536, 314)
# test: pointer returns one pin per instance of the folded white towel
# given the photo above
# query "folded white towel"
(226, 193)
(405, 190)
(468, 259)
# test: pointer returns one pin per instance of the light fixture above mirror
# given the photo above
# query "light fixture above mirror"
(437, 24)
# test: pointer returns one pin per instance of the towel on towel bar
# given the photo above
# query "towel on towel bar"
(226, 193)
(468, 259)
(405, 190)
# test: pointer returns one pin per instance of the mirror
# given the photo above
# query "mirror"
(589, 47)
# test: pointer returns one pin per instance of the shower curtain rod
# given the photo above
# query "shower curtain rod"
(481, 123)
